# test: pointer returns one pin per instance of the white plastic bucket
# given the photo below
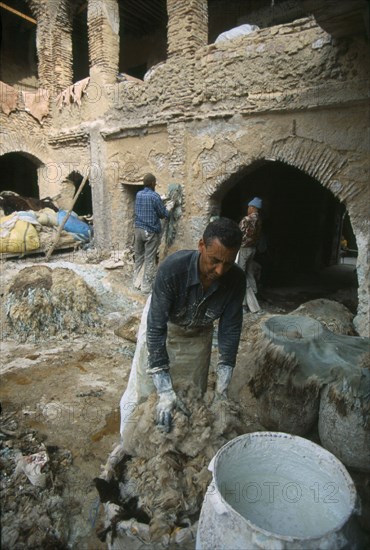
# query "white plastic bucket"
(272, 490)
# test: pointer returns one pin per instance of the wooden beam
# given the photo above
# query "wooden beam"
(16, 12)
(60, 229)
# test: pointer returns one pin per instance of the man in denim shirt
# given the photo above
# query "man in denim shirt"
(149, 210)
(192, 289)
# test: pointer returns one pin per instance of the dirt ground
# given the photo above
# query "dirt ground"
(62, 394)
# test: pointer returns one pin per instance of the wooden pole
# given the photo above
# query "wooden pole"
(60, 229)
(16, 12)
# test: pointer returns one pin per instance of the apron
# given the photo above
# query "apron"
(189, 351)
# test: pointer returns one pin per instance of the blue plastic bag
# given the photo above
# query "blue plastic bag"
(81, 230)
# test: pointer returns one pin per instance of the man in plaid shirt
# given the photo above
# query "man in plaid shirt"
(149, 210)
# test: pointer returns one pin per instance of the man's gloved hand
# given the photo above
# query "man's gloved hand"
(170, 205)
(167, 403)
(224, 374)
(168, 400)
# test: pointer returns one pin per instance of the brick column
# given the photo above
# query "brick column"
(187, 26)
(103, 25)
(54, 48)
(45, 54)
(62, 55)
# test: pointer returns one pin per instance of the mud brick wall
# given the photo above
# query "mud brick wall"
(290, 93)
(187, 26)
(103, 25)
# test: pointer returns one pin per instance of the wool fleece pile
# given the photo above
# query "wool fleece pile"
(42, 302)
(155, 487)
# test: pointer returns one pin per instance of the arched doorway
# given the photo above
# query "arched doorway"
(19, 174)
(83, 206)
(302, 223)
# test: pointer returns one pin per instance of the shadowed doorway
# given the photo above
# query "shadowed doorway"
(19, 174)
(302, 226)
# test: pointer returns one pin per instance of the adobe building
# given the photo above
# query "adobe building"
(113, 89)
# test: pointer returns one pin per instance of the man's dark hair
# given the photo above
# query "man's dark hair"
(149, 180)
(225, 230)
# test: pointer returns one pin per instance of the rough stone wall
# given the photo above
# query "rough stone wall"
(288, 93)
(187, 26)
(292, 66)
(54, 43)
(103, 25)
(61, 31)
(125, 162)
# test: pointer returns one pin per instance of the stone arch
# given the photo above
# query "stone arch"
(20, 173)
(15, 143)
(329, 168)
(42, 183)
(315, 159)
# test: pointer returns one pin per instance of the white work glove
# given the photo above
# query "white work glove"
(224, 374)
(170, 205)
(168, 400)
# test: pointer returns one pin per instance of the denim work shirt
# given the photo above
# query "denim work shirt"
(149, 209)
(178, 297)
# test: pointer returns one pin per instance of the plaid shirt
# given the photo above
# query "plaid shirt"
(149, 209)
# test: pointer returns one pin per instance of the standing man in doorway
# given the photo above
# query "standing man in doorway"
(251, 229)
(149, 210)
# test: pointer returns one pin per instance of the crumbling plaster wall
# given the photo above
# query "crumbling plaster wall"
(123, 159)
(291, 79)
(287, 93)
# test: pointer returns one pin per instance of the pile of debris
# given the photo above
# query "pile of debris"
(42, 302)
(35, 513)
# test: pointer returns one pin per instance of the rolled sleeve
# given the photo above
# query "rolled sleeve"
(158, 316)
(160, 208)
(230, 325)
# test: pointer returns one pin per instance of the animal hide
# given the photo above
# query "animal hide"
(73, 93)
(168, 472)
(37, 103)
(8, 98)
(12, 202)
